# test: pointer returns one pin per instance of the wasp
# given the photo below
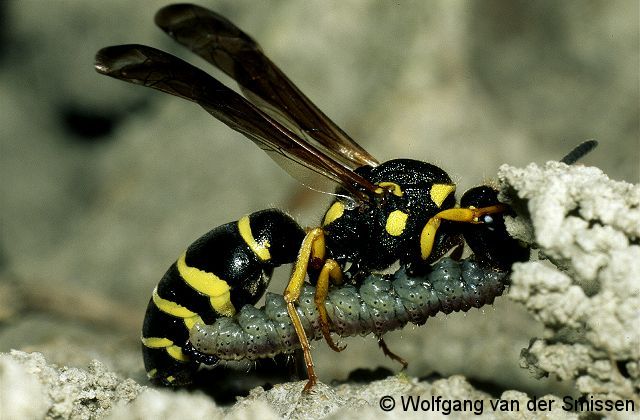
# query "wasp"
(401, 211)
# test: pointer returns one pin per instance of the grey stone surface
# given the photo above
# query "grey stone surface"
(53, 392)
(34, 389)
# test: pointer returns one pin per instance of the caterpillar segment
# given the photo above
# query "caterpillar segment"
(225, 269)
(381, 303)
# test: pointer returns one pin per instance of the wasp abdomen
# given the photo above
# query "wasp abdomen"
(380, 304)
(225, 269)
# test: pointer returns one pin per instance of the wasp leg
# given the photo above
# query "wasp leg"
(330, 271)
(312, 248)
(391, 354)
(464, 215)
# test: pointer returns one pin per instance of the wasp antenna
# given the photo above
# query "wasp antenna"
(579, 152)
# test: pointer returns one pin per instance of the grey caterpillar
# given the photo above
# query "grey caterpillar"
(381, 303)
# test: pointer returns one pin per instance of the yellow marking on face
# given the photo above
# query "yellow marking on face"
(427, 237)
(152, 373)
(171, 308)
(208, 284)
(156, 342)
(440, 192)
(176, 353)
(396, 222)
(395, 188)
(260, 249)
(335, 212)
(170, 378)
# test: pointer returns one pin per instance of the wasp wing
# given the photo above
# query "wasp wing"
(153, 68)
(224, 45)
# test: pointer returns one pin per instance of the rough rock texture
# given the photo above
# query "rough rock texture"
(585, 288)
(31, 388)
(44, 391)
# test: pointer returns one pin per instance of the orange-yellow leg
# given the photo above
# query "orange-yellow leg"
(330, 272)
(312, 248)
(464, 215)
(391, 354)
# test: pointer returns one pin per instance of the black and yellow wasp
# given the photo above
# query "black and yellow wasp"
(402, 210)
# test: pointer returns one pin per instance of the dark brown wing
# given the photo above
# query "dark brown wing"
(224, 45)
(153, 68)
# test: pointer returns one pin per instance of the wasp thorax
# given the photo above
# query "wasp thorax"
(411, 192)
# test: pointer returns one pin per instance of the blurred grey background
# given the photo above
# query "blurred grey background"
(105, 183)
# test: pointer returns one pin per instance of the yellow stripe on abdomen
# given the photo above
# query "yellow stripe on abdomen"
(189, 317)
(260, 249)
(156, 342)
(164, 343)
(171, 308)
(208, 284)
(176, 352)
